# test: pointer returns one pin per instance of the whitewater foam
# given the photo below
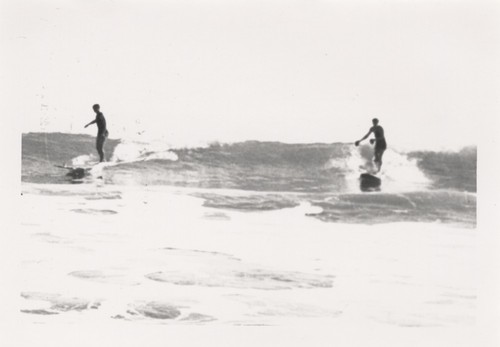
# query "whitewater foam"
(399, 173)
(131, 151)
(84, 160)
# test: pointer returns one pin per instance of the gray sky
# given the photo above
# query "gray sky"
(294, 71)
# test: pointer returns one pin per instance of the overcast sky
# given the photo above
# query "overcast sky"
(294, 71)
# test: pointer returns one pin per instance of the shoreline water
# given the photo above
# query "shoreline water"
(174, 261)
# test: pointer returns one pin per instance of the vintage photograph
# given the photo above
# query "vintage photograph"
(255, 166)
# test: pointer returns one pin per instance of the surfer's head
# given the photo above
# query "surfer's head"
(96, 107)
(375, 121)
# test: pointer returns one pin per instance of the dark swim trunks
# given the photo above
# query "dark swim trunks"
(100, 139)
(380, 145)
(101, 134)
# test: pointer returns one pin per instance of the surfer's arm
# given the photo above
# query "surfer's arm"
(90, 123)
(364, 137)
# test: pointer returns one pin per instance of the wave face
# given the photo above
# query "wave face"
(437, 180)
(450, 170)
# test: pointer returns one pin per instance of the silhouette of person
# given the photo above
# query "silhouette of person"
(102, 131)
(380, 144)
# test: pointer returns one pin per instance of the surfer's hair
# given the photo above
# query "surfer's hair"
(96, 106)
(375, 120)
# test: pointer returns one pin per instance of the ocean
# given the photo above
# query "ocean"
(247, 234)
(416, 186)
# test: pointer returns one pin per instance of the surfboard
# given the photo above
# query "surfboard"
(369, 182)
(75, 172)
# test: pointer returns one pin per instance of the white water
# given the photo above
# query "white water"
(129, 151)
(89, 254)
(403, 174)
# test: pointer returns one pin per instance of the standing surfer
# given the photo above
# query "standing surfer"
(102, 131)
(380, 144)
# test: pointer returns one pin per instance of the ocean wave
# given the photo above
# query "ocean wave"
(250, 165)
(449, 170)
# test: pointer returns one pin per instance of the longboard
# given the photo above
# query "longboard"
(75, 172)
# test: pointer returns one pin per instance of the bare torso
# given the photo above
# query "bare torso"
(101, 124)
(378, 131)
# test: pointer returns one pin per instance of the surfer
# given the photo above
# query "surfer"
(102, 131)
(380, 144)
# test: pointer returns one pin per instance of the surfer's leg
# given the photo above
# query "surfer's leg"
(378, 159)
(102, 147)
(99, 146)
